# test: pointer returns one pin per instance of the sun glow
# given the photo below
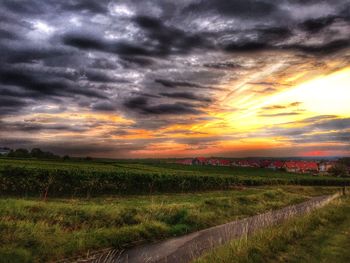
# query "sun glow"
(325, 95)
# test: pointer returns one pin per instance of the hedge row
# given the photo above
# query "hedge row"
(78, 182)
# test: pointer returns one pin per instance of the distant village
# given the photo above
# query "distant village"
(340, 167)
(292, 166)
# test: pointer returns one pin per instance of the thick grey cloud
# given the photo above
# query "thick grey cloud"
(142, 105)
(316, 129)
(148, 60)
(185, 95)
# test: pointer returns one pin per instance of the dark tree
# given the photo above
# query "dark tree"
(19, 153)
(339, 170)
(66, 158)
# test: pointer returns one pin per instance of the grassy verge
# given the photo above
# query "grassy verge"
(36, 231)
(323, 236)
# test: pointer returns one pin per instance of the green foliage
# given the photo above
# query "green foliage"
(88, 179)
(34, 153)
(19, 153)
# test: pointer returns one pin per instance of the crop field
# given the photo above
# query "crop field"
(34, 230)
(88, 179)
(51, 210)
(323, 236)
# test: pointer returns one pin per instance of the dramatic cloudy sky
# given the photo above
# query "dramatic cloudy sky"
(167, 78)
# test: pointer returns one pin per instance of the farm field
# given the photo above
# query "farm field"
(33, 230)
(87, 179)
(323, 236)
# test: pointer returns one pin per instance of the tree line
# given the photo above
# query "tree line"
(34, 153)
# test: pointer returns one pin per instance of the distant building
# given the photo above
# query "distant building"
(224, 162)
(205, 161)
(200, 161)
(324, 167)
(275, 165)
(213, 161)
(289, 166)
(265, 163)
(301, 167)
(247, 163)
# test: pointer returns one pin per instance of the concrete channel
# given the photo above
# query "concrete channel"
(186, 248)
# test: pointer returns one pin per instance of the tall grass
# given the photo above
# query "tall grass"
(305, 239)
(37, 231)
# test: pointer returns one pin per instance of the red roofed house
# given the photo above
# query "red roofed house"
(300, 166)
(200, 161)
(223, 162)
(310, 167)
(275, 165)
(213, 161)
(265, 163)
(254, 163)
(291, 166)
(242, 163)
(219, 162)
(247, 163)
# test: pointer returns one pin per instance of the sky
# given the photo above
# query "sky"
(164, 78)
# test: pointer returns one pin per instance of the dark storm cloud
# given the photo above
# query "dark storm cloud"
(247, 46)
(6, 34)
(138, 61)
(142, 105)
(89, 42)
(86, 5)
(160, 41)
(28, 54)
(316, 129)
(148, 59)
(168, 39)
(343, 137)
(335, 124)
(32, 127)
(104, 106)
(186, 96)
(237, 8)
(42, 84)
(223, 65)
(317, 24)
(101, 76)
(176, 84)
(326, 48)
(23, 7)
(11, 105)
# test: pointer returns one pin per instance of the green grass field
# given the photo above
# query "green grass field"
(323, 236)
(85, 179)
(50, 210)
(32, 230)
